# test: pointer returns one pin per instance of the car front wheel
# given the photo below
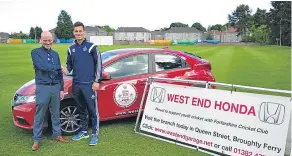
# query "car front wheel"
(69, 118)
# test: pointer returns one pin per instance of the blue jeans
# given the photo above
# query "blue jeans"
(86, 100)
(47, 97)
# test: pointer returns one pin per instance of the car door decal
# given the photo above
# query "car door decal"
(125, 95)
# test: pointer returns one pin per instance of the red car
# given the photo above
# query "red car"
(120, 93)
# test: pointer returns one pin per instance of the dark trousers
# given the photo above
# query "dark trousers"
(86, 101)
(47, 97)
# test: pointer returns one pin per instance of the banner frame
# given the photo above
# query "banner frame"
(207, 84)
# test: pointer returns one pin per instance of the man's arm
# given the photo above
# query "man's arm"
(60, 74)
(39, 64)
(69, 60)
(97, 58)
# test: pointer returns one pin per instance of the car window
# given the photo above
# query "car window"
(167, 62)
(128, 66)
(105, 56)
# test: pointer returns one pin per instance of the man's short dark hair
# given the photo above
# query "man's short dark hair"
(77, 24)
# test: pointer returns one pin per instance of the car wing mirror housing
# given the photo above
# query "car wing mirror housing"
(105, 76)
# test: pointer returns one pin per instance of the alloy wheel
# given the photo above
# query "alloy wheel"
(70, 119)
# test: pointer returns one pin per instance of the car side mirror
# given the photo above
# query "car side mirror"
(105, 76)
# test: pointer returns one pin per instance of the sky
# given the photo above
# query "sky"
(20, 15)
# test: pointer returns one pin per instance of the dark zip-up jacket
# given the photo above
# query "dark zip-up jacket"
(85, 61)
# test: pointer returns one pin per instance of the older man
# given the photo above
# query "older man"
(49, 88)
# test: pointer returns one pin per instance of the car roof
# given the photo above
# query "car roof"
(129, 50)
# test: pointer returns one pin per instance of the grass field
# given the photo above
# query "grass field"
(262, 66)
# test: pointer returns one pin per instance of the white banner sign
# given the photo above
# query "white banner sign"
(233, 123)
(102, 40)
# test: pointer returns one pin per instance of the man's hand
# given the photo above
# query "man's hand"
(64, 70)
(62, 95)
(95, 86)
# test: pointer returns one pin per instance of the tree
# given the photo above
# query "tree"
(108, 29)
(31, 33)
(226, 26)
(280, 21)
(19, 35)
(218, 27)
(164, 29)
(178, 24)
(260, 17)
(209, 36)
(261, 33)
(64, 29)
(199, 26)
(209, 28)
(35, 33)
(240, 18)
(38, 31)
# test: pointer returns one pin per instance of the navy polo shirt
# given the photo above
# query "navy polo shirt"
(47, 67)
(85, 61)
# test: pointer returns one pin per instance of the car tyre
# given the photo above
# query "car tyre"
(69, 117)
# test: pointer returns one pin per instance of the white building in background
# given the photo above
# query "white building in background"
(183, 33)
(94, 31)
(4, 37)
(132, 34)
(157, 35)
(226, 36)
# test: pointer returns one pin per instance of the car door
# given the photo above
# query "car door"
(121, 95)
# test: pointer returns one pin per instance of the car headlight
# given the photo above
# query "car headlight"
(20, 99)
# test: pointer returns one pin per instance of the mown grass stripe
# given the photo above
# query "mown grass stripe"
(220, 61)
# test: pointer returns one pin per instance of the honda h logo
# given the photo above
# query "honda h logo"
(272, 113)
(157, 94)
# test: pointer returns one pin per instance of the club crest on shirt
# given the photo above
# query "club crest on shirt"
(73, 50)
(85, 48)
(93, 96)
